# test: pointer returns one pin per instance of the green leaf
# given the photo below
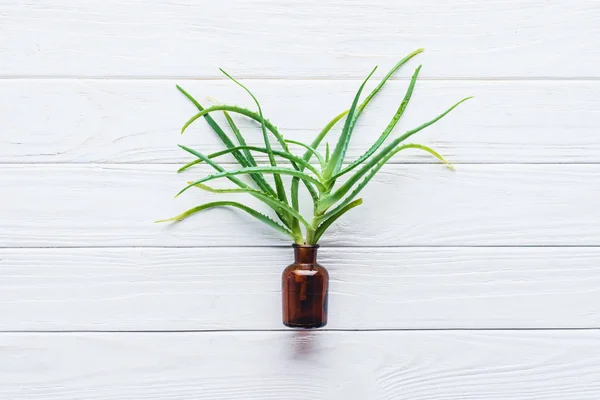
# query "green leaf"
(330, 220)
(337, 157)
(278, 182)
(334, 197)
(384, 80)
(283, 217)
(218, 130)
(281, 154)
(430, 151)
(387, 130)
(296, 205)
(317, 141)
(258, 178)
(256, 117)
(240, 139)
(295, 162)
(327, 152)
(375, 169)
(255, 214)
(269, 200)
(214, 165)
(308, 154)
(244, 161)
(250, 170)
(353, 118)
(235, 109)
(310, 149)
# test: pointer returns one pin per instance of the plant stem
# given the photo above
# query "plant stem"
(310, 232)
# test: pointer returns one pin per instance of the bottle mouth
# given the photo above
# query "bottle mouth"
(305, 246)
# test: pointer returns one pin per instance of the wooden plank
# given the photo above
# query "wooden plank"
(551, 365)
(316, 38)
(405, 205)
(239, 288)
(79, 121)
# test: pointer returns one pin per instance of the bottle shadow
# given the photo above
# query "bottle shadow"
(303, 343)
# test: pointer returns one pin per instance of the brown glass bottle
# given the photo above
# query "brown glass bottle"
(304, 287)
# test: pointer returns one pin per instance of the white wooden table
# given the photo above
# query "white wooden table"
(478, 284)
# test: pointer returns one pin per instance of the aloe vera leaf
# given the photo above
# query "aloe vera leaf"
(252, 115)
(327, 152)
(334, 197)
(269, 200)
(283, 217)
(376, 168)
(235, 109)
(386, 131)
(258, 178)
(255, 214)
(308, 154)
(269, 126)
(243, 160)
(383, 81)
(317, 141)
(218, 130)
(278, 182)
(296, 204)
(308, 148)
(240, 139)
(330, 220)
(281, 154)
(337, 157)
(250, 170)
(432, 152)
(367, 100)
(213, 164)
(256, 117)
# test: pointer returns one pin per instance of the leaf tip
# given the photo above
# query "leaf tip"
(225, 73)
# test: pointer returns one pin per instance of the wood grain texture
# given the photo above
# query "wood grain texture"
(312, 38)
(405, 205)
(509, 241)
(231, 288)
(552, 365)
(79, 121)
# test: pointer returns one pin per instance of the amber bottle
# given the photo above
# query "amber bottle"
(304, 287)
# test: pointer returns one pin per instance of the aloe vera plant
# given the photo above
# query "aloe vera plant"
(319, 172)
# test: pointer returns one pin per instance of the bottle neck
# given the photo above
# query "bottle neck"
(305, 254)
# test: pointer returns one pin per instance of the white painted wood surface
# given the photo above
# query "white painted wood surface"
(309, 38)
(406, 205)
(239, 288)
(551, 365)
(116, 121)
(510, 242)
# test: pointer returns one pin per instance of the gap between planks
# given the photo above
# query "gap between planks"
(300, 78)
(432, 246)
(167, 331)
(142, 164)
(101, 164)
